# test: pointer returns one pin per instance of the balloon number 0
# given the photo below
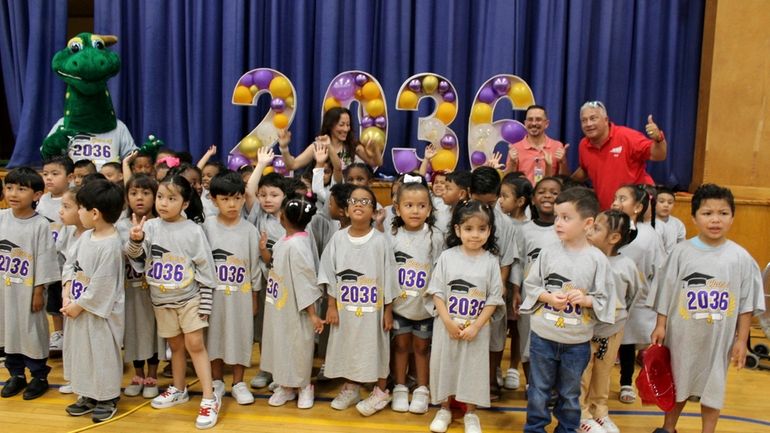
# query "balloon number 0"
(433, 128)
(363, 88)
(283, 99)
(483, 134)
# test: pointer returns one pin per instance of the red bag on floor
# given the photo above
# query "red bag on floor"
(656, 380)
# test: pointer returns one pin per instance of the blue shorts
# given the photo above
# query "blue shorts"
(419, 328)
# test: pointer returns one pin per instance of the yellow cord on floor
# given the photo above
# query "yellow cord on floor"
(121, 416)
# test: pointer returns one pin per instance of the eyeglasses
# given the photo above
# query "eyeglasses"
(362, 201)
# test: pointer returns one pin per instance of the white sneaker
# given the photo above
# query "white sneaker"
(57, 341)
(590, 426)
(306, 397)
(281, 396)
(207, 414)
(376, 402)
(441, 421)
(135, 387)
(242, 394)
(499, 376)
(261, 380)
(170, 397)
(273, 386)
(320, 377)
(512, 379)
(400, 398)
(608, 425)
(66, 388)
(420, 400)
(472, 423)
(349, 394)
(150, 387)
(219, 388)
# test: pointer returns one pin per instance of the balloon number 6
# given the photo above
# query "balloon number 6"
(433, 128)
(283, 96)
(483, 134)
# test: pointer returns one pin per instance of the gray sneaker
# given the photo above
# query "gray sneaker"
(104, 410)
(83, 406)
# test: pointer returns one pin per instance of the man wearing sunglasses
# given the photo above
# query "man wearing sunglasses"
(612, 155)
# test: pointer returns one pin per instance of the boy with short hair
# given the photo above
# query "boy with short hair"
(670, 228)
(569, 287)
(457, 188)
(706, 293)
(57, 175)
(94, 304)
(82, 169)
(28, 263)
(113, 171)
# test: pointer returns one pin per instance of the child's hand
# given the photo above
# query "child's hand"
(577, 297)
(516, 303)
(265, 156)
(469, 333)
(72, 310)
(263, 242)
(558, 301)
(332, 315)
(284, 137)
(204, 317)
(321, 153)
(137, 230)
(430, 151)
(130, 158)
(658, 335)
(453, 329)
(494, 161)
(323, 140)
(379, 217)
(38, 300)
(318, 324)
(211, 151)
(738, 354)
(387, 320)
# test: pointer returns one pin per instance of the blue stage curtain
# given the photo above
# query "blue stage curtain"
(182, 60)
(32, 31)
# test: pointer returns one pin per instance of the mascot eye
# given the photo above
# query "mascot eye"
(75, 45)
(98, 44)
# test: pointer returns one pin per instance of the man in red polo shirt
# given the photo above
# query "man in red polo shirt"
(537, 155)
(612, 156)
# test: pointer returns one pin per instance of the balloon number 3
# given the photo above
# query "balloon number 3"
(357, 86)
(283, 96)
(483, 134)
(433, 128)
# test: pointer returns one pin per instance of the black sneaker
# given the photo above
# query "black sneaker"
(14, 386)
(104, 410)
(36, 388)
(83, 406)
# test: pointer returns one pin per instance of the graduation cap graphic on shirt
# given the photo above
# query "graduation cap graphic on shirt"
(532, 255)
(349, 275)
(157, 251)
(7, 246)
(696, 279)
(402, 257)
(77, 267)
(555, 282)
(221, 255)
(460, 286)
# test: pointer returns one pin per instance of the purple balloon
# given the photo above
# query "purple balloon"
(279, 165)
(501, 85)
(380, 122)
(448, 141)
(247, 80)
(361, 79)
(449, 96)
(405, 160)
(343, 88)
(415, 85)
(278, 105)
(262, 78)
(443, 86)
(366, 122)
(487, 95)
(478, 157)
(513, 131)
(236, 161)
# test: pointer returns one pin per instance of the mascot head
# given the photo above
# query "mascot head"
(85, 64)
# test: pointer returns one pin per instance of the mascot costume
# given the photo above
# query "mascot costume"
(89, 129)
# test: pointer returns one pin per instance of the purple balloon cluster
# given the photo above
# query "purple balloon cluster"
(236, 160)
(498, 88)
(260, 78)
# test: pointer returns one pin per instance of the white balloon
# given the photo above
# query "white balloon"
(483, 136)
(267, 133)
(431, 129)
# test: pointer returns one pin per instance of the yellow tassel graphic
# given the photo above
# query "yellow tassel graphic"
(359, 313)
(560, 322)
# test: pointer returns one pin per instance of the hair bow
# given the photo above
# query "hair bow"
(171, 161)
(408, 178)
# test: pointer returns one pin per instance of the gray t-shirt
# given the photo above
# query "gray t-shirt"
(629, 282)
(49, 208)
(671, 232)
(110, 146)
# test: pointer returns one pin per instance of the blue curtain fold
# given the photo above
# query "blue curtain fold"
(181, 61)
(32, 31)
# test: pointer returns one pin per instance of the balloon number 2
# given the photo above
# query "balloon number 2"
(433, 128)
(283, 96)
(357, 86)
(483, 134)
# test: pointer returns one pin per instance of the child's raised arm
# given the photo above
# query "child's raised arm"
(206, 156)
(265, 157)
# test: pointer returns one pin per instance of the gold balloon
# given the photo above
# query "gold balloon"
(429, 83)
(370, 91)
(280, 87)
(280, 121)
(375, 107)
(374, 135)
(242, 95)
(253, 89)
(444, 160)
(521, 95)
(330, 103)
(269, 169)
(446, 112)
(481, 113)
(290, 101)
(249, 147)
(407, 100)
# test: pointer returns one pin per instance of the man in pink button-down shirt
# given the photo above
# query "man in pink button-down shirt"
(537, 155)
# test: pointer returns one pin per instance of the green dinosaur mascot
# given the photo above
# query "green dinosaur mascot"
(89, 128)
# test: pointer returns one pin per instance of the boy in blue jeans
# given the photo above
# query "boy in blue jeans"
(569, 288)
